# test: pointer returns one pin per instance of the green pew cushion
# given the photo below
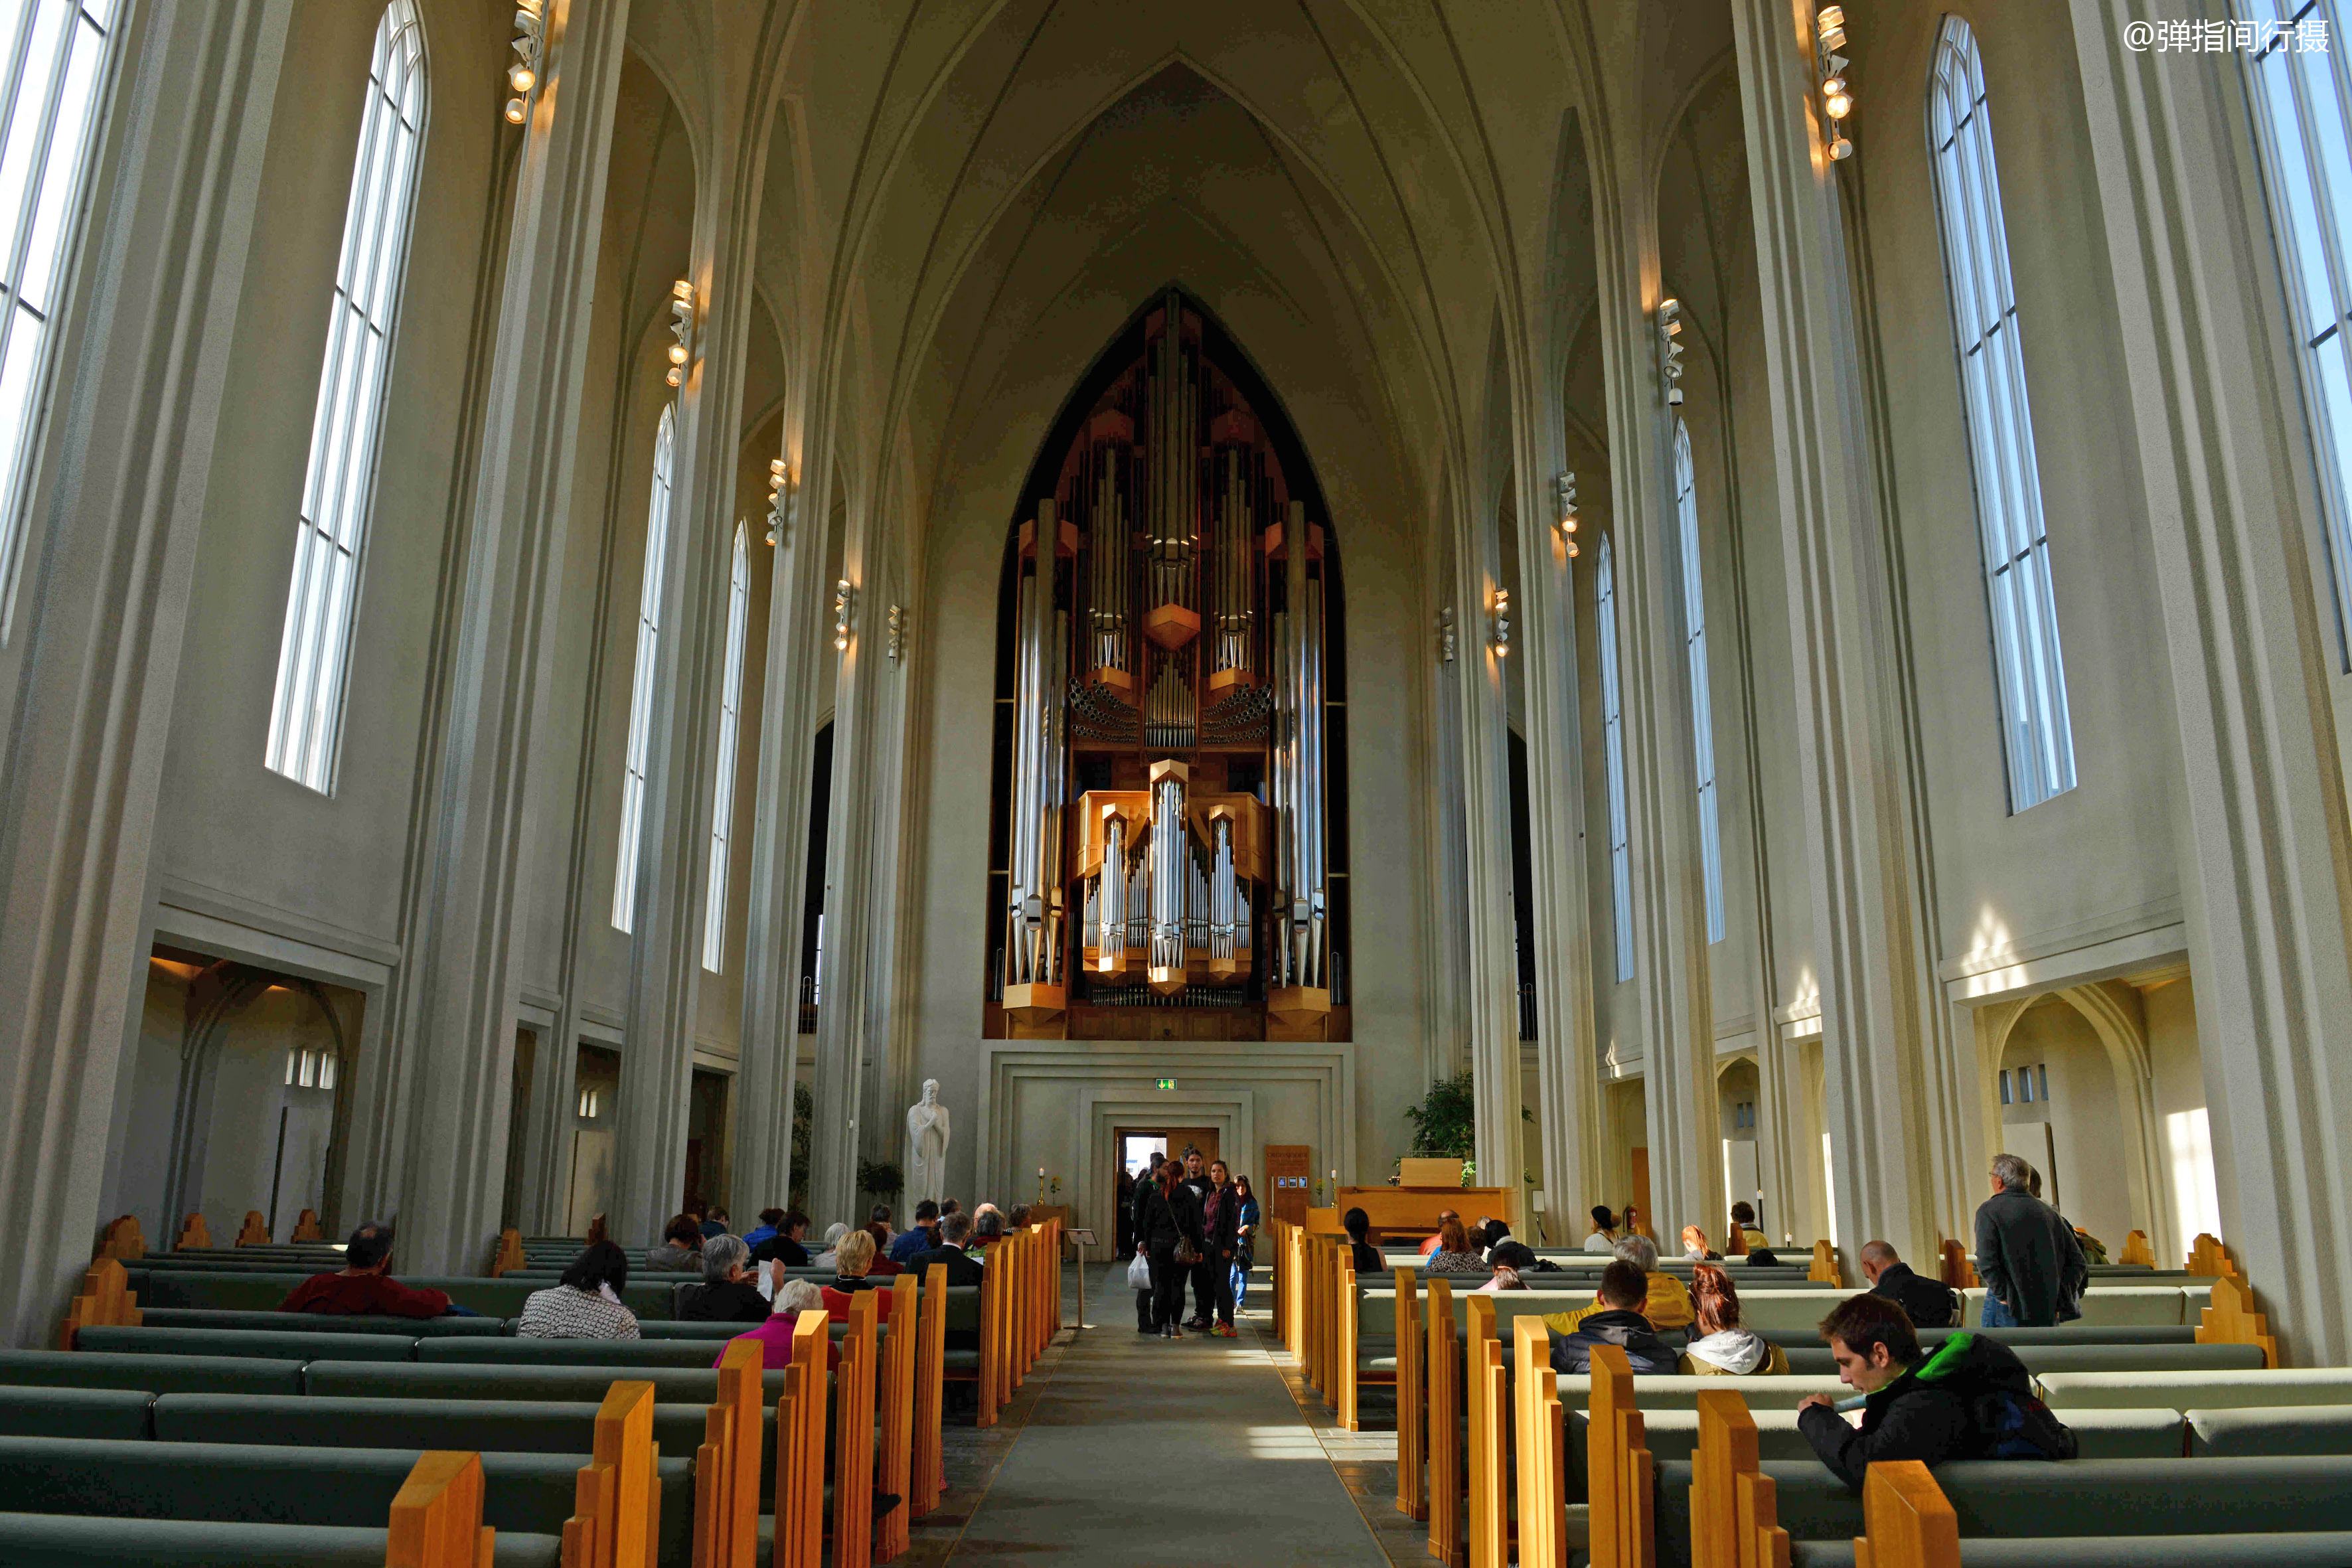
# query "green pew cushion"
(429, 1380)
(2281, 1549)
(289, 1345)
(240, 1292)
(253, 1484)
(2108, 1305)
(1680, 1392)
(154, 1374)
(681, 1353)
(2045, 1358)
(66, 1541)
(2018, 1339)
(666, 1328)
(2287, 1429)
(118, 1412)
(2198, 1390)
(320, 1322)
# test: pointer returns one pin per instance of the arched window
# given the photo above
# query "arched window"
(1612, 746)
(2037, 735)
(731, 721)
(1710, 835)
(314, 658)
(51, 85)
(641, 684)
(2305, 130)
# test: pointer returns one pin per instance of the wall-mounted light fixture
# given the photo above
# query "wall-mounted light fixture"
(1831, 65)
(899, 621)
(779, 491)
(1564, 490)
(842, 596)
(681, 326)
(1670, 349)
(1501, 615)
(529, 48)
(1448, 641)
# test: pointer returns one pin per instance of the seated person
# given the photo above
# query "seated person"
(774, 1333)
(784, 1245)
(955, 1229)
(769, 1220)
(1928, 1303)
(585, 1304)
(715, 1223)
(830, 1256)
(1695, 1245)
(857, 1258)
(1430, 1244)
(922, 1238)
(1454, 1254)
(1971, 1400)
(1668, 1304)
(729, 1293)
(987, 1230)
(1370, 1264)
(1019, 1218)
(1743, 1220)
(1604, 1239)
(681, 1248)
(1619, 1322)
(884, 1264)
(365, 1284)
(1719, 1347)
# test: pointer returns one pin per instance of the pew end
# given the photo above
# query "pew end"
(1910, 1521)
(437, 1516)
(2233, 1321)
(255, 1232)
(2137, 1250)
(105, 1300)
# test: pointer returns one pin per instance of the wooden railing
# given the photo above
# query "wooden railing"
(437, 1516)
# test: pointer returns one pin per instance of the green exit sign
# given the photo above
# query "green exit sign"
(1166, 1083)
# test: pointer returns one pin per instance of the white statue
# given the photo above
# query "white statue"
(927, 1147)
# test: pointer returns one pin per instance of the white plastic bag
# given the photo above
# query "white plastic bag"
(1139, 1271)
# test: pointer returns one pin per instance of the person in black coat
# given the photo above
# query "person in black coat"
(962, 1269)
(2027, 1254)
(1147, 1315)
(1928, 1303)
(784, 1247)
(1170, 1215)
(1624, 1290)
(1212, 1277)
(730, 1292)
(1194, 1176)
(1971, 1400)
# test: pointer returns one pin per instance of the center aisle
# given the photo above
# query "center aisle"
(1189, 1452)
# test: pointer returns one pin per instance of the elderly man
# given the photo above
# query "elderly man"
(1667, 1304)
(1930, 1303)
(2026, 1253)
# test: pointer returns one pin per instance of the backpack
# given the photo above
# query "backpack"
(2005, 1420)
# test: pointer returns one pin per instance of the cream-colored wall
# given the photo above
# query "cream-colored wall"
(2093, 1185)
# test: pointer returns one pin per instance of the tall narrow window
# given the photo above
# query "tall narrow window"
(722, 801)
(641, 684)
(2303, 123)
(1612, 746)
(314, 658)
(2037, 739)
(1710, 835)
(50, 88)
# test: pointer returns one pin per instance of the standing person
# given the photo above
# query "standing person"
(1194, 1178)
(1604, 1239)
(1125, 1248)
(2026, 1253)
(1147, 1300)
(1212, 1277)
(1170, 1228)
(1244, 1239)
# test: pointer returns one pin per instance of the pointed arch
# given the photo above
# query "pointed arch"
(649, 599)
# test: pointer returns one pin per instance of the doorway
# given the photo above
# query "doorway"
(1131, 1146)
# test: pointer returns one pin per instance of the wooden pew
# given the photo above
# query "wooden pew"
(1825, 1263)
(2207, 1256)
(121, 1240)
(1443, 1468)
(193, 1232)
(596, 1232)
(2233, 1321)
(618, 1504)
(1735, 1520)
(437, 1516)
(853, 1442)
(896, 1399)
(1412, 1437)
(104, 1300)
(1618, 1476)
(929, 1460)
(2137, 1249)
(1955, 1270)
(306, 1228)
(1539, 1438)
(255, 1231)
(799, 1447)
(1486, 1458)
(1910, 1521)
(727, 1465)
(509, 1256)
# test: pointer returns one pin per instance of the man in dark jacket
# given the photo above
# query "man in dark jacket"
(1624, 1289)
(954, 1231)
(1195, 1180)
(2026, 1253)
(1928, 1303)
(1145, 1322)
(1970, 1400)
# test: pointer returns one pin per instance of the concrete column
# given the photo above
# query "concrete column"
(100, 607)
(1842, 621)
(436, 1106)
(2237, 531)
(682, 712)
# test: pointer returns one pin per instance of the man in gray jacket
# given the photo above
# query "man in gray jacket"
(2026, 1253)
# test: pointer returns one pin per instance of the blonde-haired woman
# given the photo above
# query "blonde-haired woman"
(851, 1275)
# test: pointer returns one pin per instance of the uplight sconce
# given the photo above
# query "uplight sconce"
(843, 597)
(899, 621)
(1501, 615)
(1564, 488)
(529, 48)
(1837, 96)
(780, 502)
(1670, 349)
(1449, 642)
(681, 326)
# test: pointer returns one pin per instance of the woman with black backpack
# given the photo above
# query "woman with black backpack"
(1168, 1229)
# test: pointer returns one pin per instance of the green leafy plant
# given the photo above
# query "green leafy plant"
(803, 1136)
(882, 1178)
(1444, 1122)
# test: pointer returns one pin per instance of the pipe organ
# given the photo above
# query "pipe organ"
(1167, 795)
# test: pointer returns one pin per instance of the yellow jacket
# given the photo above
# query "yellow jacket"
(1668, 1307)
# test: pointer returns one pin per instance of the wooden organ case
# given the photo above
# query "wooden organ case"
(1165, 783)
